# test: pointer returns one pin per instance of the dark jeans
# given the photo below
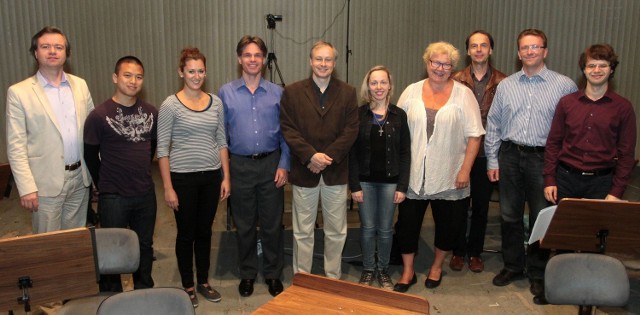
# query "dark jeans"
(521, 180)
(139, 214)
(481, 189)
(571, 185)
(198, 196)
(447, 216)
(257, 201)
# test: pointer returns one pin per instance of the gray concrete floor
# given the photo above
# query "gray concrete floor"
(461, 292)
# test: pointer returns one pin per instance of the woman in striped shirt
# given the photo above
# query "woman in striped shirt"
(194, 165)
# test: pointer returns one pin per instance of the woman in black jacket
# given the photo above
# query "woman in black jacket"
(379, 164)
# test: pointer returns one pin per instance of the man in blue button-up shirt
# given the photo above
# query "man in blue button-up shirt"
(259, 166)
(517, 127)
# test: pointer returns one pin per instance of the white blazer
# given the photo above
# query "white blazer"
(34, 142)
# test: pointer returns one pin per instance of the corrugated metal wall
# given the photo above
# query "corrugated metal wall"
(393, 33)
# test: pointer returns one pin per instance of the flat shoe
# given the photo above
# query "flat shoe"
(404, 287)
(209, 293)
(432, 284)
(192, 297)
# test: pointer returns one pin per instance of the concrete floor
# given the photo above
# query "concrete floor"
(461, 292)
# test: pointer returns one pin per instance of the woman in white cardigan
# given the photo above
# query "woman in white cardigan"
(445, 127)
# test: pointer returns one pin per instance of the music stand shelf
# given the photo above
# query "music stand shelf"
(61, 265)
(576, 225)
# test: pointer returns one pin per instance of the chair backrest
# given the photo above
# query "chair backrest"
(586, 279)
(157, 301)
(118, 251)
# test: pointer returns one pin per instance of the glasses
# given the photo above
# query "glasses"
(526, 48)
(592, 66)
(437, 64)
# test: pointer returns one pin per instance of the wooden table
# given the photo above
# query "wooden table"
(311, 294)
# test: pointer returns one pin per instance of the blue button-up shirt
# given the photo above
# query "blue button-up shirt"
(61, 101)
(253, 120)
(522, 110)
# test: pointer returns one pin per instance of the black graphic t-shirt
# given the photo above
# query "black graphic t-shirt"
(124, 135)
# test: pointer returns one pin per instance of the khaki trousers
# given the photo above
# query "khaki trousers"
(334, 211)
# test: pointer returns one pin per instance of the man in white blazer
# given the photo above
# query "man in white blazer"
(45, 119)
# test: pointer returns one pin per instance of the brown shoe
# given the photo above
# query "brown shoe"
(476, 264)
(456, 263)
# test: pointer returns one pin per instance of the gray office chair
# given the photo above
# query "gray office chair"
(586, 280)
(157, 301)
(118, 253)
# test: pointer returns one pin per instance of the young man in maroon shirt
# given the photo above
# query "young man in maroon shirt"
(591, 145)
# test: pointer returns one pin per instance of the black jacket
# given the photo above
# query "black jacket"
(398, 148)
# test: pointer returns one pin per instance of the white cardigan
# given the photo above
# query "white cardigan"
(435, 162)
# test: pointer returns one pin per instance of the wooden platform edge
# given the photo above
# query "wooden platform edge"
(361, 292)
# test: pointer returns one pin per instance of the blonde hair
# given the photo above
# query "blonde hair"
(441, 48)
(365, 96)
(321, 43)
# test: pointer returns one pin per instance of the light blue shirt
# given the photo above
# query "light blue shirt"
(253, 120)
(522, 110)
(61, 100)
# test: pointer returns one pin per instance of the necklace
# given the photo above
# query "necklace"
(380, 125)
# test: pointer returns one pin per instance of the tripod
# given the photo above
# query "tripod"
(271, 57)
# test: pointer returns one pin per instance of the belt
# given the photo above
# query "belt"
(525, 148)
(257, 156)
(73, 167)
(600, 172)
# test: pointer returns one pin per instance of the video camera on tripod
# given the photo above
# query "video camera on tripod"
(272, 19)
(271, 57)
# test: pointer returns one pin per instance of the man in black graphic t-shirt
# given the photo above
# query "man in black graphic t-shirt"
(119, 142)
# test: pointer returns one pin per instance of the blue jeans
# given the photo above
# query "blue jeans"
(139, 214)
(521, 180)
(376, 223)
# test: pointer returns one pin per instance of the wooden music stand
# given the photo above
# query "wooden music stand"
(52, 267)
(589, 225)
(311, 294)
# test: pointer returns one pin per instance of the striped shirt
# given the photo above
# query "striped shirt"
(522, 110)
(191, 139)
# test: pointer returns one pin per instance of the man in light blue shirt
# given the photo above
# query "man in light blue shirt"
(517, 127)
(259, 166)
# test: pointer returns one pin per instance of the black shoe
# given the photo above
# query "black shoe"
(537, 287)
(432, 284)
(404, 287)
(540, 300)
(505, 277)
(275, 286)
(246, 287)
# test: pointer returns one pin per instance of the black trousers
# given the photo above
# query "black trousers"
(571, 185)
(447, 216)
(481, 189)
(257, 202)
(198, 195)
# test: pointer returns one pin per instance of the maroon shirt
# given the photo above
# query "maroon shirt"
(590, 135)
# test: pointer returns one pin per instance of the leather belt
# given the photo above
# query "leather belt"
(73, 167)
(600, 172)
(525, 148)
(257, 156)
